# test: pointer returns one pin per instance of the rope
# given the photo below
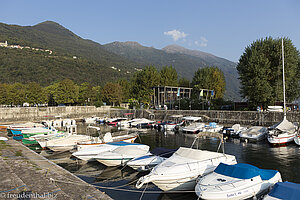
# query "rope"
(13, 189)
(143, 192)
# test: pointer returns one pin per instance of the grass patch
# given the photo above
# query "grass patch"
(19, 153)
(3, 145)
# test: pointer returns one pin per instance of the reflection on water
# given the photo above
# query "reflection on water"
(121, 180)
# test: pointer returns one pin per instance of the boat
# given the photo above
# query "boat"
(193, 125)
(27, 132)
(212, 127)
(239, 181)
(90, 120)
(284, 131)
(233, 131)
(153, 158)
(284, 190)
(67, 143)
(104, 138)
(176, 120)
(122, 154)
(275, 109)
(88, 154)
(254, 133)
(180, 171)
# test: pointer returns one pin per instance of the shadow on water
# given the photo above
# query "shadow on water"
(119, 182)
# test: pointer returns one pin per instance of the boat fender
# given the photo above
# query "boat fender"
(142, 181)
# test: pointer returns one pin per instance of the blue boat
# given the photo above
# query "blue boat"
(284, 190)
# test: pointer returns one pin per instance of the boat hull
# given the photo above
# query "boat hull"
(282, 139)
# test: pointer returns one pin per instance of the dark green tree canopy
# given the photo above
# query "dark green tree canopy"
(211, 78)
(168, 76)
(142, 82)
(260, 70)
(113, 93)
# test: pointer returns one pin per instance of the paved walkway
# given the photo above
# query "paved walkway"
(24, 173)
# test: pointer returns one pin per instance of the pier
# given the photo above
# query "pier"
(28, 175)
(220, 116)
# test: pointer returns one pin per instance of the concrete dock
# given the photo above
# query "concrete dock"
(28, 175)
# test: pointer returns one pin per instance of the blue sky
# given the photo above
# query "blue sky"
(221, 27)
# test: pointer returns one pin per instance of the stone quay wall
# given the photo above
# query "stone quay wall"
(219, 116)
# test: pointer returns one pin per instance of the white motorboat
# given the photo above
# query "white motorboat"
(122, 154)
(254, 133)
(212, 127)
(284, 190)
(194, 125)
(88, 154)
(104, 138)
(233, 131)
(239, 181)
(151, 159)
(67, 143)
(282, 132)
(91, 120)
(180, 171)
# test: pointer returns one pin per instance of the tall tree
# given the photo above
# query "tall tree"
(85, 93)
(183, 82)
(113, 93)
(65, 92)
(5, 98)
(142, 82)
(260, 70)
(35, 93)
(17, 93)
(211, 78)
(168, 76)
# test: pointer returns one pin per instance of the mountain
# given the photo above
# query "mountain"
(84, 60)
(93, 63)
(185, 61)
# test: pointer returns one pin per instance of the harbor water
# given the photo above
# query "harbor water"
(119, 182)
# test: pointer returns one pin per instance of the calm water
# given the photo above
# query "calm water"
(119, 183)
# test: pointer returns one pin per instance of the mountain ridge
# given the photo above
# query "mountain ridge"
(185, 61)
(124, 56)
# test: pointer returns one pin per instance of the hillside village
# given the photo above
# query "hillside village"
(16, 46)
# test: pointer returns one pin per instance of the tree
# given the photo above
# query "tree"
(85, 93)
(64, 92)
(183, 82)
(35, 93)
(142, 82)
(4, 94)
(211, 78)
(168, 76)
(125, 88)
(112, 92)
(17, 94)
(260, 70)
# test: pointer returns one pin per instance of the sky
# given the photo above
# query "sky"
(220, 27)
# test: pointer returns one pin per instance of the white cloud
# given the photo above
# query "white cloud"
(202, 43)
(175, 34)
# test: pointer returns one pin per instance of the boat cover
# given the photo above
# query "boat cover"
(196, 154)
(255, 130)
(244, 171)
(163, 152)
(130, 150)
(285, 190)
(284, 126)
